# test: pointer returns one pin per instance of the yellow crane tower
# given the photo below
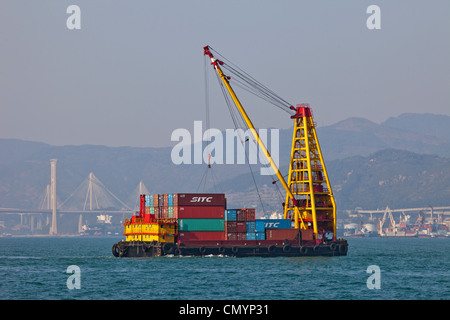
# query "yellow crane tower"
(309, 199)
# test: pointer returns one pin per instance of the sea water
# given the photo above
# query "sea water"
(39, 268)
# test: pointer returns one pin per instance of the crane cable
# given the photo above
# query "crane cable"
(208, 136)
(237, 125)
(248, 83)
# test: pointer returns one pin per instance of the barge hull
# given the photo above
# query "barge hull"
(146, 249)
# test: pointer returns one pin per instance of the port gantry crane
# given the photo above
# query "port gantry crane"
(309, 198)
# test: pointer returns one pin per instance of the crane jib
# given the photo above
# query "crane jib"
(309, 199)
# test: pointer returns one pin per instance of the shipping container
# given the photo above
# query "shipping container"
(250, 226)
(175, 199)
(201, 224)
(259, 226)
(241, 226)
(155, 200)
(160, 200)
(150, 200)
(158, 212)
(201, 235)
(201, 212)
(240, 215)
(250, 214)
(241, 235)
(281, 234)
(276, 223)
(147, 200)
(250, 236)
(201, 199)
(164, 212)
(170, 199)
(230, 214)
(230, 226)
(260, 236)
(231, 236)
(307, 235)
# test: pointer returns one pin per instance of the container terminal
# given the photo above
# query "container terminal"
(202, 224)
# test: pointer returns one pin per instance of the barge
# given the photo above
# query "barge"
(202, 224)
(180, 227)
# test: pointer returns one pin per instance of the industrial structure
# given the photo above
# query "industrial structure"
(90, 198)
(309, 224)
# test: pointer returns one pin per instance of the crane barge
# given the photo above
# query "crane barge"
(201, 224)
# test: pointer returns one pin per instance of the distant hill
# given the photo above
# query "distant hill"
(356, 136)
(419, 133)
(400, 179)
(25, 171)
(428, 124)
(401, 162)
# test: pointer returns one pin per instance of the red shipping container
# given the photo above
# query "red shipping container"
(200, 199)
(241, 226)
(155, 200)
(307, 234)
(240, 215)
(201, 235)
(164, 212)
(175, 199)
(231, 236)
(201, 212)
(281, 234)
(250, 214)
(158, 213)
(230, 226)
(241, 236)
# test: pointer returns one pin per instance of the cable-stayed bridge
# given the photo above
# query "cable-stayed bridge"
(91, 197)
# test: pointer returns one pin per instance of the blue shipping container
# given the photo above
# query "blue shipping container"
(230, 215)
(276, 223)
(147, 200)
(250, 236)
(170, 199)
(260, 236)
(150, 200)
(250, 226)
(259, 226)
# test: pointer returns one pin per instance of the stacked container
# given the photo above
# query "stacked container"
(200, 216)
(273, 229)
(240, 224)
(160, 206)
(192, 205)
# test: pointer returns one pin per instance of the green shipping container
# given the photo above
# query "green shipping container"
(201, 224)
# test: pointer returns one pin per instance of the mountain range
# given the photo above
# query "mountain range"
(402, 162)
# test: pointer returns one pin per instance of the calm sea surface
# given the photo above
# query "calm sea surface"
(36, 268)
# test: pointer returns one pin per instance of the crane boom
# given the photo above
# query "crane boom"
(216, 63)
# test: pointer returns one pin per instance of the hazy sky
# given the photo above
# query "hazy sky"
(134, 72)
